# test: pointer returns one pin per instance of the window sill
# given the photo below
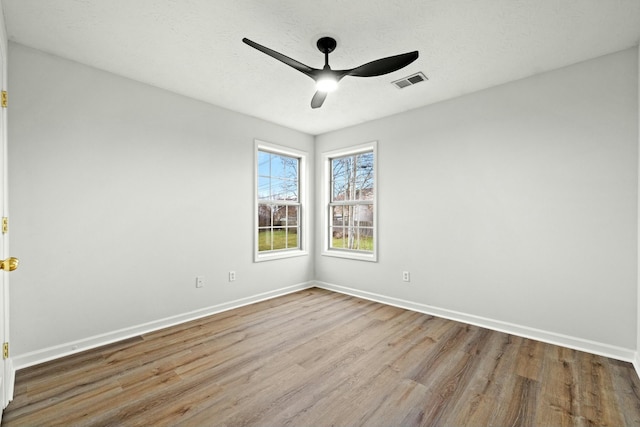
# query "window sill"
(260, 257)
(337, 253)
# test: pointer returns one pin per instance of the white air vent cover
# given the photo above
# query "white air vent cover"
(410, 80)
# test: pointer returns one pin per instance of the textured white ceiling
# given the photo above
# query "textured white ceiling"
(194, 47)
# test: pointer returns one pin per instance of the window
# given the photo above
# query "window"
(279, 202)
(350, 177)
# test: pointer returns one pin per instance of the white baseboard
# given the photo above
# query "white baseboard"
(33, 358)
(636, 363)
(619, 353)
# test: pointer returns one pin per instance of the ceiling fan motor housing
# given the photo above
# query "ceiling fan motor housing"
(326, 44)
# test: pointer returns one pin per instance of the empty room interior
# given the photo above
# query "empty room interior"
(207, 235)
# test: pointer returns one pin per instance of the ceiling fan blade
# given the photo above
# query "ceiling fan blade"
(318, 99)
(283, 58)
(383, 66)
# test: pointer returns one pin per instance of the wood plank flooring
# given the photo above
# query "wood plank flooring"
(318, 358)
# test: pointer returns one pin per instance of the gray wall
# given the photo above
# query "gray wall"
(516, 204)
(121, 193)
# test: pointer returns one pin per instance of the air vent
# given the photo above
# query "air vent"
(410, 80)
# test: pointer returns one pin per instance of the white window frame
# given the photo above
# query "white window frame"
(303, 190)
(327, 250)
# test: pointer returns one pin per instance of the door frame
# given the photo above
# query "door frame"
(8, 373)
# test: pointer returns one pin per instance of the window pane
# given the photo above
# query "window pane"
(264, 163)
(292, 216)
(278, 189)
(277, 177)
(284, 167)
(363, 215)
(292, 237)
(284, 189)
(364, 176)
(340, 170)
(279, 238)
(352, 177)
(264, 188)
(337, 216)
(338, 238)
(290, 188)
(264, 240)
(264, 216)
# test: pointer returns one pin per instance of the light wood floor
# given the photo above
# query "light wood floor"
(317, 358)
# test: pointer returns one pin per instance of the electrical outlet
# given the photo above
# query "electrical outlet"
(232, 276)
(405, 276)
(199, 281)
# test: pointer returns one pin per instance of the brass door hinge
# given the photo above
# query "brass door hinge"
(5, 99)
(5, 225)
(5, 350)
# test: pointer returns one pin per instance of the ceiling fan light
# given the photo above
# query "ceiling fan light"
(326, 84)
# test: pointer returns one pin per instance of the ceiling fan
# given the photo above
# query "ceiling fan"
(327, 79)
